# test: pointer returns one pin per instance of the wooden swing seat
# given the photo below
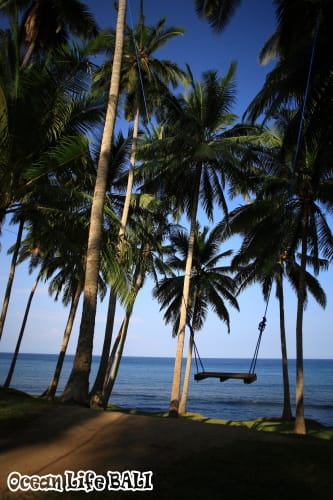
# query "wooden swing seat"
(247, 378)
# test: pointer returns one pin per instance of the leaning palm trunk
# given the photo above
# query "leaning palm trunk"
(183, 401)
(11, 277)
(77, 388)
(300, 427)
(286, 414)
(121, 342)
(96, 392)
(20, 337)
(28, 54)
(111, 360)
(52, 389)
(116, 359)
(176, 382)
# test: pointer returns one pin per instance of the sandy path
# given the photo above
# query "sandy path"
(72, 438)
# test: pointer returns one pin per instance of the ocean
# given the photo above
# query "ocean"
(144, 383)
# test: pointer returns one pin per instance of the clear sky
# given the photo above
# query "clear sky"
(148, 335)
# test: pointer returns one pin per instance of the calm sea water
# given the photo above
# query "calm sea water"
(145, 383)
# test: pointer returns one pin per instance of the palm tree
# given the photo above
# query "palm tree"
(26, 252)
(53, 385)
(114, 202)
(69, 279)
(211, 285)
(217, 12)
(144, 81)
(77, 388)
(142, 76)
(261, 260)
(11, 277)
(307, 195)
(46, 112)
(145, 258)
(291, 211)
(211, 151)
(311, 231)
(46, 25)
(43, 143)
(302, 71)
(21, 332)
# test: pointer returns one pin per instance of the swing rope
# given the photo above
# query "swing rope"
(197, 358)
(262, 324)
(261, 329)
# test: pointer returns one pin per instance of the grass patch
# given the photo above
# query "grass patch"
(17, 407)
(268, 424)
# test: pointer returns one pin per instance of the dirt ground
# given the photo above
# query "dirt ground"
(72, 438)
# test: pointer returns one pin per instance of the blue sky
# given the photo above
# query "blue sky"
(148, 335)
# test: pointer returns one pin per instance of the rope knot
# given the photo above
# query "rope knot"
(262, 324)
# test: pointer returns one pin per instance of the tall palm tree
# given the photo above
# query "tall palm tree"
(77, 388)
(311, 231)
(114, 202)
(261, 260)
(291, 209)
(301, 79)
(144, 79)
(211, 286)
(199, 123)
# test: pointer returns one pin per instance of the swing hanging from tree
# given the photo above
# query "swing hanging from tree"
(247, 377)
(251, 376)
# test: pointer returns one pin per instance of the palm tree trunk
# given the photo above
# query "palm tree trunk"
(20, 337)
(116, 359)
(77, 388)
(183, 400)
(112, 355)
(96, 392)
(28, 54)
(286, 413)
(111, 359)
(11, 277)
(51, 390)
(130, 179)
(177, 373)
(118, 351)
(300, 426)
